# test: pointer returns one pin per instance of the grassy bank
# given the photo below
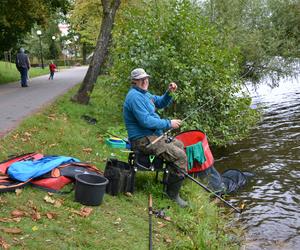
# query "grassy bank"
(120, 222)
(9, 72)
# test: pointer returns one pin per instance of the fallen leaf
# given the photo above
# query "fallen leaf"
(160, 224)
(87, 150)
(24, 237)
(52, 117)
(5, 220)
(15, 136)
(167, 218)
(17, 219)
(31, 204)
(17, 213)
(117, 222)
(27, 134)
(16, 240)
(57, 203)
(34, 228)
(51, 215)
(4, 244)
(168, 240)
(128, 194)
(48, 199)
(18, 191)
(11, 230)
(36, 216)
(84, 212)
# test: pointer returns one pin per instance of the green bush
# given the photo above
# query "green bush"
(174, 42)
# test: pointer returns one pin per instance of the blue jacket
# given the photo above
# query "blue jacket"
(139, 113)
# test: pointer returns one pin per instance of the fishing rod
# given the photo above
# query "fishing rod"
(169, 130)
(206, 188)
(150, 211)
(188, 116)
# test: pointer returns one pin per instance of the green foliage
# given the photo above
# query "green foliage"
(50, 48)
(267, 33)
(285, 19)
(86, 19)
(174, 42)
(18, 17)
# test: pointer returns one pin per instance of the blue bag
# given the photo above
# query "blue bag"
(25, 170)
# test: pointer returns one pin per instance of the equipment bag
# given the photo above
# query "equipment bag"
(6, 183)
(30, 169)
(52, 181)
(62, 175)
(121, 177)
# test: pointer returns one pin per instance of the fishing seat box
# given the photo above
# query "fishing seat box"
(121, 177)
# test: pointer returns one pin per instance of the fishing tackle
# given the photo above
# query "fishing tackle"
(150, 211)
(206, 188)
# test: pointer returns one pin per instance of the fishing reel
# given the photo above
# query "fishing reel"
(169, 139)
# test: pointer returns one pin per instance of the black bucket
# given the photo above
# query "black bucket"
(90, 189)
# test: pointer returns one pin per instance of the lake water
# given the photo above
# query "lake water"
(271, 218)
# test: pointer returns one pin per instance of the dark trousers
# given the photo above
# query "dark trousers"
(24, 76)
(51, 75)
(170, 151)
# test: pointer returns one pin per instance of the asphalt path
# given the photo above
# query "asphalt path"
(17, 103)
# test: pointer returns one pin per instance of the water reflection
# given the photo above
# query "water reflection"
(272, 152)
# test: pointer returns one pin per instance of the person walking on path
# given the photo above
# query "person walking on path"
(52, 68)
(23, 65)
(144, 125)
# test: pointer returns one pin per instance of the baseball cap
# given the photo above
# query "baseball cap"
(138, 73)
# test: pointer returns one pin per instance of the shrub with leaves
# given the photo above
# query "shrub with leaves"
(173, 41)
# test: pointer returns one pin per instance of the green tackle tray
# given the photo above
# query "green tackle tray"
(115, 144)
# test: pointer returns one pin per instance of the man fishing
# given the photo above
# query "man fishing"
(144, 125)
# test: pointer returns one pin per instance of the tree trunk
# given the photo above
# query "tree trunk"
(110, 8)
(84, 53)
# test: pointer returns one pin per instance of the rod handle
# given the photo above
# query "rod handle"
(150, 202)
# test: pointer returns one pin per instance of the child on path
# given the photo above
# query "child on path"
(52, 68)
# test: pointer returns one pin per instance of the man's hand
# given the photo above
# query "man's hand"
(172, 87)
(175, 123)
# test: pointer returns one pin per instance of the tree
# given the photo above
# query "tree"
(18, 17)
(110, 8)
(85, 18)
(173, 41)
(266, 31)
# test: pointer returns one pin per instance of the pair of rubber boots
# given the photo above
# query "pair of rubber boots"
(174, 184)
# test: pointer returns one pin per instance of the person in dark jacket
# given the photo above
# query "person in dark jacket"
(144, 125)
(23, 65)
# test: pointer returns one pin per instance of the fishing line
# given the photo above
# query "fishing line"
(188, 116)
